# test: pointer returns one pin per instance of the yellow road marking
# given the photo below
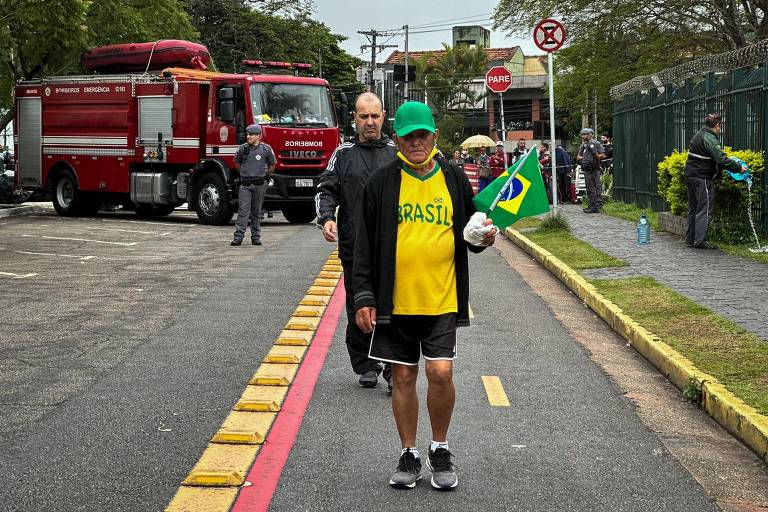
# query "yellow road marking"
(495, 391)
(285, 354)
(203, 499)
(315, 300)
(222, 465)
(261, 398)
(321, 290)
(471, 313)
(302, 323)
(213, 483)
(311, 311)
(294, 337)
(244, 428)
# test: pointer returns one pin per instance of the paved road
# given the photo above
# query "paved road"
(731, 286)
(115, 371)
(570, 441)
(100, 356)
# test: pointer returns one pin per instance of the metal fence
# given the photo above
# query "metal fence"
(650, 124)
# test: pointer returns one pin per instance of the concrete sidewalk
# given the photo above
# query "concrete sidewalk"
(729, 285)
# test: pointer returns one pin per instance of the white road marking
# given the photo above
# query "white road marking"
(132, 231)
(56, 255)
(17, 276)
(125, 244)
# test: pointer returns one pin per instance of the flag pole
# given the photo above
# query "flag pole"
(520, 164)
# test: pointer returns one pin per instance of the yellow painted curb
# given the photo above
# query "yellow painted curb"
(332, 268)
(285, 354)
(270, 374)
(302, 323)
(261, 399)
(222, 465)
(320, 290)
(203, 499)
(330, 275)
(311, 311)
(727, 409)
(294, 337)
(244, 428)
(315, 300)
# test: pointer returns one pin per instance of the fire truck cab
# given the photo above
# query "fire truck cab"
(156, 141)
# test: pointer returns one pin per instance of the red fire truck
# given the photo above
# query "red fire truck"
(156, 140)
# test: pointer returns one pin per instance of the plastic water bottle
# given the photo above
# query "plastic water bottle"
(643, 231)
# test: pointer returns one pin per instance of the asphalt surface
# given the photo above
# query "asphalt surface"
(118, 363)
(109, 394)
(569, 441)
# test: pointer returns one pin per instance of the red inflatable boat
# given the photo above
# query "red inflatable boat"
(136, 56)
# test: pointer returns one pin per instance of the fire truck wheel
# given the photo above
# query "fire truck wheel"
(212, 203)
(299, 214)
(67, 199)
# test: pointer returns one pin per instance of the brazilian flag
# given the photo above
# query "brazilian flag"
(524, 196)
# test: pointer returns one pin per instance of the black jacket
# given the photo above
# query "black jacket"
(705, 156)
(341, 184)
(376, 241)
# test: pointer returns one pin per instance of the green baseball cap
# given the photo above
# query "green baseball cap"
(412, 116)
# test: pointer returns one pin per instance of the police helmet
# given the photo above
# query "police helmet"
(587, 131)
(254, 129)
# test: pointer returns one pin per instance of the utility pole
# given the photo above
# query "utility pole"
(375, 48)
(406, 62)
(320, 60)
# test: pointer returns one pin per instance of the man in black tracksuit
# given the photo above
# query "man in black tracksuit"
(341, 185)
(705, 157)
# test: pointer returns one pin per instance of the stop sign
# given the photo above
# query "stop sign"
(498, 79)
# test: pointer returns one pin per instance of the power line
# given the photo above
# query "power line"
(467, 18)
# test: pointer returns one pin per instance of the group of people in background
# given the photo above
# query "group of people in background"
(597, 158)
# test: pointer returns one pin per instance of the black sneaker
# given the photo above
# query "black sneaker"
(408, 471)
(443, 474)
(369, 379)
(235, 243)
(255, 242)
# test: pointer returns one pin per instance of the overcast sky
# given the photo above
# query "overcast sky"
(347, 17)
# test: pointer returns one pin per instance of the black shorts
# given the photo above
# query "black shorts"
(407, 337)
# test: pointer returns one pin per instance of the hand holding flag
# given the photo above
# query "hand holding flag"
(519, 192)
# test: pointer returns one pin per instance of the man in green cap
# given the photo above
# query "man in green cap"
(411, 282)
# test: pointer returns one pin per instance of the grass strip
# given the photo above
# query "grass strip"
(733, 355)
(715, 345)
(573, 252)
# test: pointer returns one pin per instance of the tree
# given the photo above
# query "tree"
(46, 38)
(631, 39)
(233, 31)
(446, 79)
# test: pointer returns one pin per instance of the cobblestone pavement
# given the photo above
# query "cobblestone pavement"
(734, 287)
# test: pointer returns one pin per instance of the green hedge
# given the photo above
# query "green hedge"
(730, 223)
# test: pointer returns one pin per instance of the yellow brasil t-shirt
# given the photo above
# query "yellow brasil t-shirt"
(425, 274)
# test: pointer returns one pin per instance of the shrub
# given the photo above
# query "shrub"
(729, 223)
(555, 222)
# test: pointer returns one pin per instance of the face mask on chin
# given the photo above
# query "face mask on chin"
(421, 165)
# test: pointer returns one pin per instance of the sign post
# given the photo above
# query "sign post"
(498, 79)
(549, 36)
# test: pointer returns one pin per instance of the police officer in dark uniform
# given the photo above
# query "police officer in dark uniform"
(590, 154)
(257, 163)
(705, 157)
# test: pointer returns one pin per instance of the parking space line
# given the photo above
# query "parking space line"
(125, 244)
(17, 276)
(180, 225)
(83, 258)
(495, 391)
